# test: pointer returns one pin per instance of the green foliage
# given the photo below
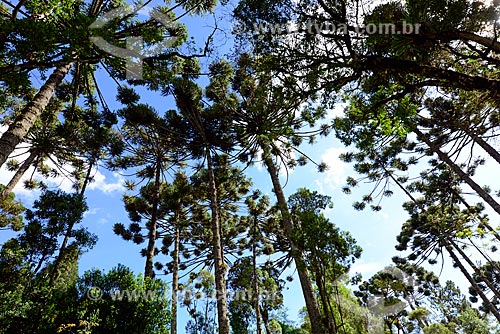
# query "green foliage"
(198, 299)
(127, 95)
(35, 290)
(328, 251)
(437, 329)
(270, 115)
(10, 211)
(241, 286)
(408, 98)
(487, 281)
(145, 310)
(314, 233)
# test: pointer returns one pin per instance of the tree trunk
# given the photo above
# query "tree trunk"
(305, 282)
(329, 317)
(484, 255)
(265, 320)
(408, 297)
(485, 146)
(255, 278)
(220, 266)
(474, 284)
(485, 224)
(69, 229)
(19, 173)
(30, 114)
(445, 158)
(475, 268)
(175, 277)
(150, 251)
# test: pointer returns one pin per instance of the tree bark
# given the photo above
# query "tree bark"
(30, 114)
(446, 77)
(189, 110)
(474, 284)
(220, 266)
(255, 278)
(305, 282)
(485, 224)
(475, 268)
(329, 318)
(69, 229)
(485, 146)
(175, 277)
(19, 173)
(265, 319)
(445, 158)
(150, 251)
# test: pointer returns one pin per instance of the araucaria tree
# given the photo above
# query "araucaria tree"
(145, 148)
(266, 119)
(428, 94)
(205, 131)
(54, 36)
(410, 88)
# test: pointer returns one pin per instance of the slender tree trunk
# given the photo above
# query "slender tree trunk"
(473, 282)
(329, 319)
(220, 266)
(445, 158)
(305, 282)
(485, 146)
(193, 116)
(421, 322)
(175, 277)
(39, 264)
(150, 251)
(265, 320)
(69, 229)
(484, 255)
(30, 114)
(475, 268)
(388, 323)
(485, 224)
(19, 173)
(255, 278)
(492, 230)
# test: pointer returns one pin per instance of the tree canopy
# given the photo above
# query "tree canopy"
(213, 138)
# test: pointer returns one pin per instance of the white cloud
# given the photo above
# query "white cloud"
(101, 184)
(335, 175)
(6, 176)
(367, 269)
(337, 111)
(62, 182)
(104, 220)
(91, 212)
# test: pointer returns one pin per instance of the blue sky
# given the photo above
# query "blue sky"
(375, 232)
